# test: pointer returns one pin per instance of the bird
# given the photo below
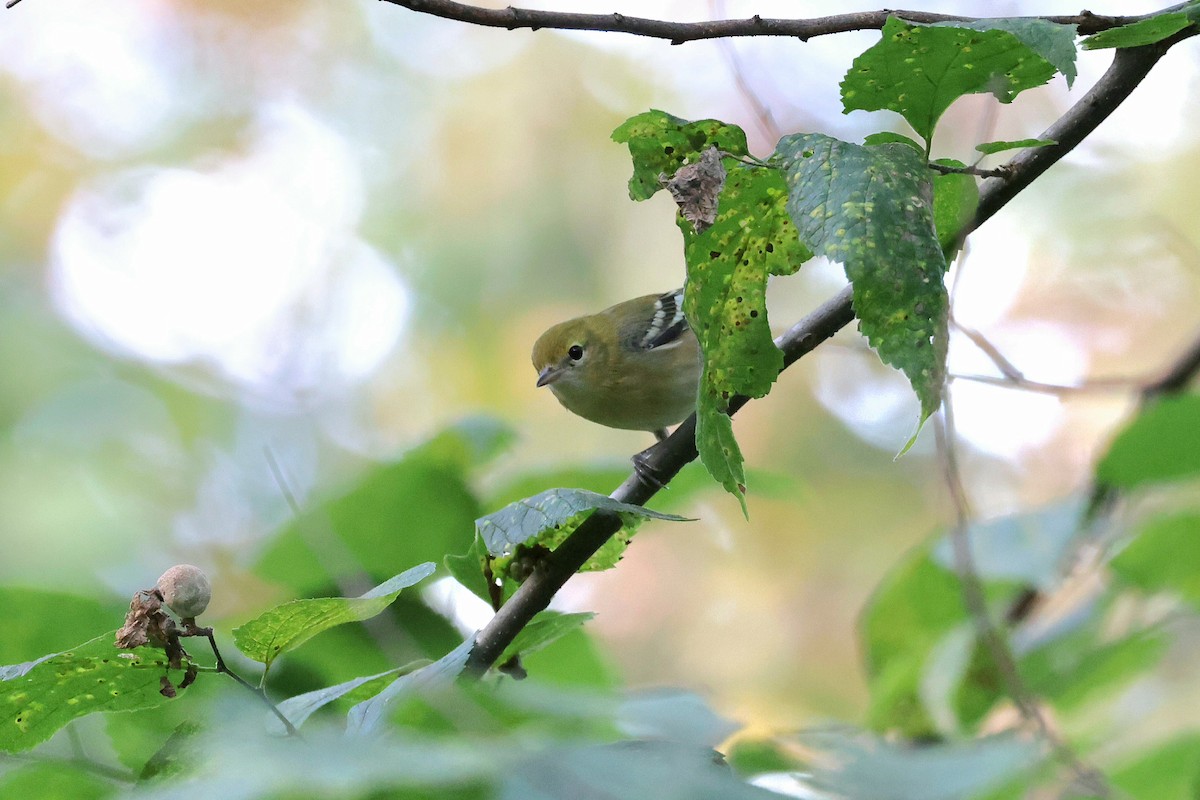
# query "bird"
(634, 366)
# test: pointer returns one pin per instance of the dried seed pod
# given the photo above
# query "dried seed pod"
(186, 590)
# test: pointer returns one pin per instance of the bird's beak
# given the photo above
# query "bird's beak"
(549, 375)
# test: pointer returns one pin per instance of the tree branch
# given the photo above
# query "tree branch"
(513, 18)
(665, 460)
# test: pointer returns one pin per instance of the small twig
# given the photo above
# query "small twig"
(1006, 367)
(1002, 172)
(1097, 386)
(976, 603)
(191, 629)
(11, 3)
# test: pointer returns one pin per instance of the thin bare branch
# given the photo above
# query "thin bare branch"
(513, 18)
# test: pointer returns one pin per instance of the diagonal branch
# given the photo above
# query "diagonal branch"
(513, 18)
(664, 460)
(1128, 69)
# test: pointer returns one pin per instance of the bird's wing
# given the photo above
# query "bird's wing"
(668, 322)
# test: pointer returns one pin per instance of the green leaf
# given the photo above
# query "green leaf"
(59, 780)
(725, 303)
(661, 143)
(918, 71)
(889, 137)
(914, 607)
(549, 517)
(871, 208)
(728, 264)
(27, 613)
(673, 715)
(290, 625)
(845, 764)
(1053, 42)
(1164, 557)
(1168, 772)
(1161, 444)
(385, 520)
(1136, 34)
(1081, 667)
(41, 696)
(367, 715)
(543, 630)
(1026, 548)
(955, 198)
(299, 708)
(719, 450)
(988, 148)
(467, 569)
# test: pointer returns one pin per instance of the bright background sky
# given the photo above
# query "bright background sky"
(329, 230)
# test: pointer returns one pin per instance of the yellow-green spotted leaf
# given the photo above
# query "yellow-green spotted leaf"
(919, 70)
(871, 208)
(290, 625)
(39, 697)
(661, 143)
(727, 264)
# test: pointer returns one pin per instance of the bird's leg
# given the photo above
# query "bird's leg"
(646, 473)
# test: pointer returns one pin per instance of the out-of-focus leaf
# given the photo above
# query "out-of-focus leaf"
(918, 70)
(641, 769)
(290, 625)
(988, 148)
(544, 629)
(1027, 547)
(853, 764)
(1165, 556)
(575, 660)
(1136, 34)
(299, 708)
(1170, 771)
(56, 781)
(366, 716)
(912, 609)
(1081, 667)
(871, 208)
(40, 621)
(673, 715)
(1162, 443)
(750, 757)
(416, 509)
(42, 696)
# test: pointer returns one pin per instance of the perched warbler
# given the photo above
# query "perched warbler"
(634, 366)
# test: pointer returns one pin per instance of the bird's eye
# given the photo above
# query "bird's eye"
(575, 352)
